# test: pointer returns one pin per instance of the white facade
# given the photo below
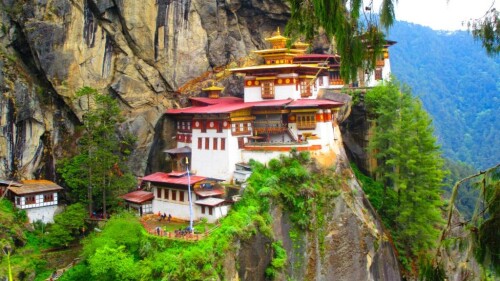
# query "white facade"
(215, 161)
(45, 214)
(41, 207)
(180, 209)
(35, 200)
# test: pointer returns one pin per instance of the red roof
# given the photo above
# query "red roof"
(160, 177)
(227, 107)
(138, 196)
(314, 103)
(215, 108)
(216, 101)
(267, 103)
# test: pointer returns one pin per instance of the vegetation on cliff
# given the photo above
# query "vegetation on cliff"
(98, 168)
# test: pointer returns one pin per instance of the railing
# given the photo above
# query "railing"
(306, 125)
(336, 82)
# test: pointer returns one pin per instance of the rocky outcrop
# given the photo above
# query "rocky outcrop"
(140, 52)
(350, 245)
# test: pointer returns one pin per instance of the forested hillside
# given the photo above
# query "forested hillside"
(459, 86)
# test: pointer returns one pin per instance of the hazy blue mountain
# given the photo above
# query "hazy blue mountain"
(459, 86)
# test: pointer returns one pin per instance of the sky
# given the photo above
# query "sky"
(441, 14)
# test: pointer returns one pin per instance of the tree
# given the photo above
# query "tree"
(409, 162)
(113, 264)
(98, 167)
(487, 30)
(67, 225)
(359, 40)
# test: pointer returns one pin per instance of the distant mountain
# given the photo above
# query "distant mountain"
(459, 86)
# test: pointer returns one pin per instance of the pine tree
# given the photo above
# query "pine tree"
(98, 168)
(410, 164)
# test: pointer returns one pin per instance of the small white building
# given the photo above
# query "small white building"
(39, 198)
(171, 196)
(140, 201)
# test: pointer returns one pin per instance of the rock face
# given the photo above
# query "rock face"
(139, 51)
(351, 245)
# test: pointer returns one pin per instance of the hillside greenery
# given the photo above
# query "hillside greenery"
(409, 173)
(459, 85)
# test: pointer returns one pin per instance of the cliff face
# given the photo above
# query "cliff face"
(141, 52)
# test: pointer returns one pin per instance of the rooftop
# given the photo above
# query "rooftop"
(138, 196)
(211, 202)
(35, 186)
(160, 177)
(234, 106)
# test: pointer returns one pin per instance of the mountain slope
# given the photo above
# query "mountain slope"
(458, 84)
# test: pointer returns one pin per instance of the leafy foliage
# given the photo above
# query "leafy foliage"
(112, 264)
(487, 30)
(67, 225)
(358, 40)
(409, 163)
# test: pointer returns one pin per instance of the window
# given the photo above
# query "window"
(30, 200)
(18, 201)
(174, 195)
(305, 88)
(158, 192)
(215, 143)
(199, 143)
(241, 143)
(306, 122)
(165, 194)
(219, 126)
(181, 196)
(48, 197)
(202, 209)
(210, 212)
(223, 144)
(378, 74)
(203, 126)
(335, 78)
(207, 143)
(267, 89)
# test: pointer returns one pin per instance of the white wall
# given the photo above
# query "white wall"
(180, 210)
(252, 94)
(38, 201)
(218, 163)
(44, 214)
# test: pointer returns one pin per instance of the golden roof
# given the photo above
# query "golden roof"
(277, 37)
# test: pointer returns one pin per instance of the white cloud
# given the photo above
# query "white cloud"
(440, 14)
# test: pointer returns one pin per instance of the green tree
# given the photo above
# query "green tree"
(67, 225)
(113, 264)
(358, 36)
(98, 167)
(409, 162)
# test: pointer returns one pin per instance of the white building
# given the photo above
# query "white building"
(172, 197)
(281, 110)
(39, 198)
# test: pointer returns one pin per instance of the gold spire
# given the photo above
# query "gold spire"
(277, 40)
